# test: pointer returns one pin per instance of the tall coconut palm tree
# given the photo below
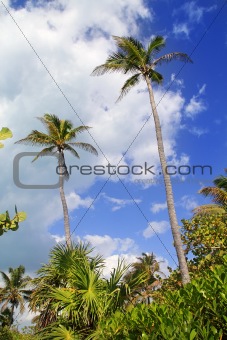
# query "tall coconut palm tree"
(59, 138)
(14, 293)
(218, 193)
(133, 58)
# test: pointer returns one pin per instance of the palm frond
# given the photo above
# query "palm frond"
(116, 62)
(129, 84)
(74, 132)
(65, 127)
(132, 47)
(154, 47)
(218, 195)
(208, 209)
(155, 76)
(5, 278)
(71, 150)
(53, 119)
(116, 275)
(172, 56)
(85, 147)
(51, 123)
(45, 152)
(221, 182)
(37, 138)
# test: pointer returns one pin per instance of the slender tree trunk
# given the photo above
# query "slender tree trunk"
(63, 200)
(169, 191)
(11, 314)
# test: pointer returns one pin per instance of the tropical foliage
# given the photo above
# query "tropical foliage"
(218, 193)
(60, 137)
(11, 224)
(205, 237)
(4, 134)
(147, 268)
(133, 58)
(196, 311)
(71, 294)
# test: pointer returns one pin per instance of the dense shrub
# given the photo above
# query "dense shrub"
(197, 311)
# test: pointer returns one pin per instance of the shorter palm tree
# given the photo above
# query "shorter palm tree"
(14, 293)
(218, 193)
(59, 138)
(147, 268)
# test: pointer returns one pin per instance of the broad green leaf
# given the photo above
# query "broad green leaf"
(5, 133)
(192, 334)
(21, 216)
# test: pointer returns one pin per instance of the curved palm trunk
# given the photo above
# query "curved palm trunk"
(169, 192)
(63, 201)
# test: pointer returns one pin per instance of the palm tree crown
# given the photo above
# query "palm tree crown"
(59, 137)
(218, 193)
(132, 57)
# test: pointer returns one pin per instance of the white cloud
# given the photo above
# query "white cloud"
(107, 246)
(191, 14)
(157, 207)
(196, 104)
(181, 30)
(188, 202)
(195, 12)
(194, 107)
(112, 261)
(202, 89)
(119, 203)
(155, 227)
(58, 238)
(198, 131)
(179, 82)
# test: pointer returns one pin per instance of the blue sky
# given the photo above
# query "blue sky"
(71, 38)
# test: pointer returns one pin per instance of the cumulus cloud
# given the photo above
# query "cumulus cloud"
(198, 131)
(106, 245)
(119, 203)
(195, 12)
(181, 30)
(188, 202)
(155, 227)
(157, 207)
(190, 13)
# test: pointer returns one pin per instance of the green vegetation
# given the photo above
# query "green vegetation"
(14, 294)
(11, 224)
(4, 134)
(196, 311)
(5, 222)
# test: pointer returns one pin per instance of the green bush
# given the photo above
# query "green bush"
(197, 311)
